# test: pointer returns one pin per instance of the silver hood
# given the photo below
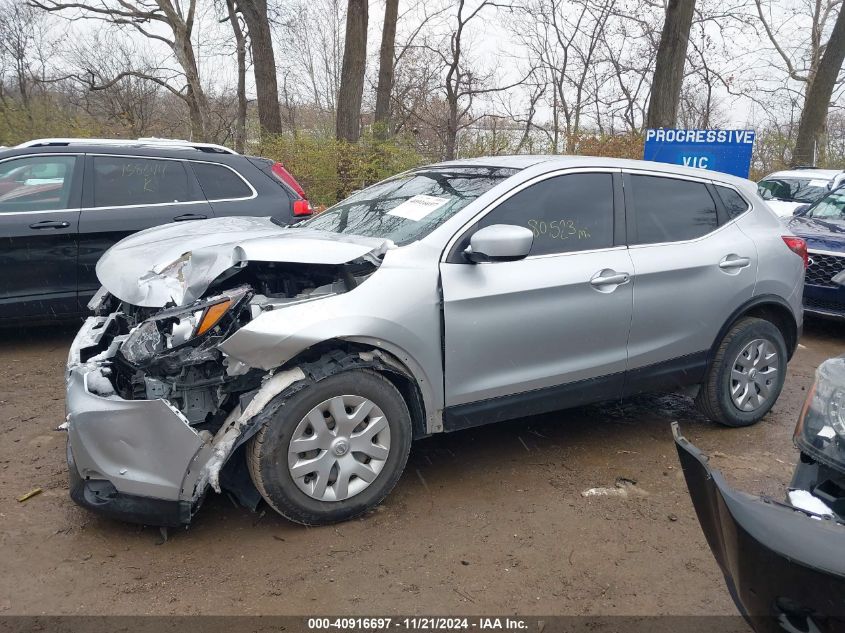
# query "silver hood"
(177, 262)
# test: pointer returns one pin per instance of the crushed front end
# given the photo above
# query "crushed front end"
(156, 412)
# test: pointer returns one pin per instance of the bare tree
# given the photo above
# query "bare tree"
(240, 56)
(264, 64)
(564, 39)
(381, 119)
(144, 16)
(669, 64)
(350, 95)
(819, 92)
(18, 26)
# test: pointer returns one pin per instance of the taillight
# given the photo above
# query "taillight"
(283, 174)
(302, 207)
(797, 246)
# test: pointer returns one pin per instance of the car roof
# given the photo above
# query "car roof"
(552, 162)
(813, 174)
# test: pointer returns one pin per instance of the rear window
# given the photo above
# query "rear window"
(671, 210)
(219, 182)
(122, 181)
(734, 203)
(408, 207)
(802, 190)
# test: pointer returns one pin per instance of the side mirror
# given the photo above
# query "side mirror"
(499, 243)
(839, 279)
(801, 210)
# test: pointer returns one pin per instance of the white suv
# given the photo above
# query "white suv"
(785, 191)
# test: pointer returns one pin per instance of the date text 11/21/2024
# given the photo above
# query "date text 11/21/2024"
(419, 623)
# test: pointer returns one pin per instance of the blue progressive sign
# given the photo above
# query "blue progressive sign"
(728, 151)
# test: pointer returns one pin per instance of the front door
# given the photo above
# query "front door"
(548, 331)
(39, 219)
(125, 194)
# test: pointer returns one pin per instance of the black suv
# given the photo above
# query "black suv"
(63, 202)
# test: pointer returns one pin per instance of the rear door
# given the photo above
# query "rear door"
(125, 194)
(693, 267)
(39, 218)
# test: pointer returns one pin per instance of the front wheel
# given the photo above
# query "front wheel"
(334, 449)
(746, 375)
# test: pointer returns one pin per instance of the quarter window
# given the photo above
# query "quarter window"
(565, 213)
(36, 183)
(734, 203)
(219, 182)
(670, 210)
(122, 181)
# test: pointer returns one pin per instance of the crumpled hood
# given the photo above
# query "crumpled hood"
(177, 262)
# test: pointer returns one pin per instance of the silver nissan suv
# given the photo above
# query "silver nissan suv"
(297, 365)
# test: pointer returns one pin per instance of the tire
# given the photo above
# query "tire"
(314, 501)
(753, 380)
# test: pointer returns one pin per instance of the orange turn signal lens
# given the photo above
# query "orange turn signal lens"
(212, 316)
(799, 427)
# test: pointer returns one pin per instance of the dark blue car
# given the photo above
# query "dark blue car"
(822, 225)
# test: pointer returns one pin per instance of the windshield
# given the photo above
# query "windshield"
(408, 207)
(793, 189)
(831, 208)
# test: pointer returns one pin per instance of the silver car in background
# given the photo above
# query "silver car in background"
(296, 365)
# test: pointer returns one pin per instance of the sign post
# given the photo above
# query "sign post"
(728, 151)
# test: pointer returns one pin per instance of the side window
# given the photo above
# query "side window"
(219, 182)
(121, 181)
(36, 183)
(734, 203)
(566, 213)
(670, 210)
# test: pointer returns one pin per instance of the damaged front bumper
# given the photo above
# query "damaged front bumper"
(131, 459)
(784, 567)
(142, 460)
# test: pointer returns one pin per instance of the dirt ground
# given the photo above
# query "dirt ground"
(490, 520)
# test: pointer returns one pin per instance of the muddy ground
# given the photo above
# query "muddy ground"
(490, 520)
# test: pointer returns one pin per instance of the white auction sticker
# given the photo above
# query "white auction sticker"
(418, 207)
(819, 183)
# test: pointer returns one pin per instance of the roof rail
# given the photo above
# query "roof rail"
(119, 142)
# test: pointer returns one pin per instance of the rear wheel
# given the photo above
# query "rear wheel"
(746, 375)
(334, 449)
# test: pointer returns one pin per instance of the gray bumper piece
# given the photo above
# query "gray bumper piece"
(143, 447)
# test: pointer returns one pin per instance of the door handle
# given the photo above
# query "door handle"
(190, 216)
(50, 224)
(609, 278)
(729, 262)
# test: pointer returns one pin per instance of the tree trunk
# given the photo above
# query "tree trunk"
(381, 123)
(240, 54)
(819, 92)
(195, 95)
(452, 130)
(264, 64)
(352, 74)
(669, 65)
